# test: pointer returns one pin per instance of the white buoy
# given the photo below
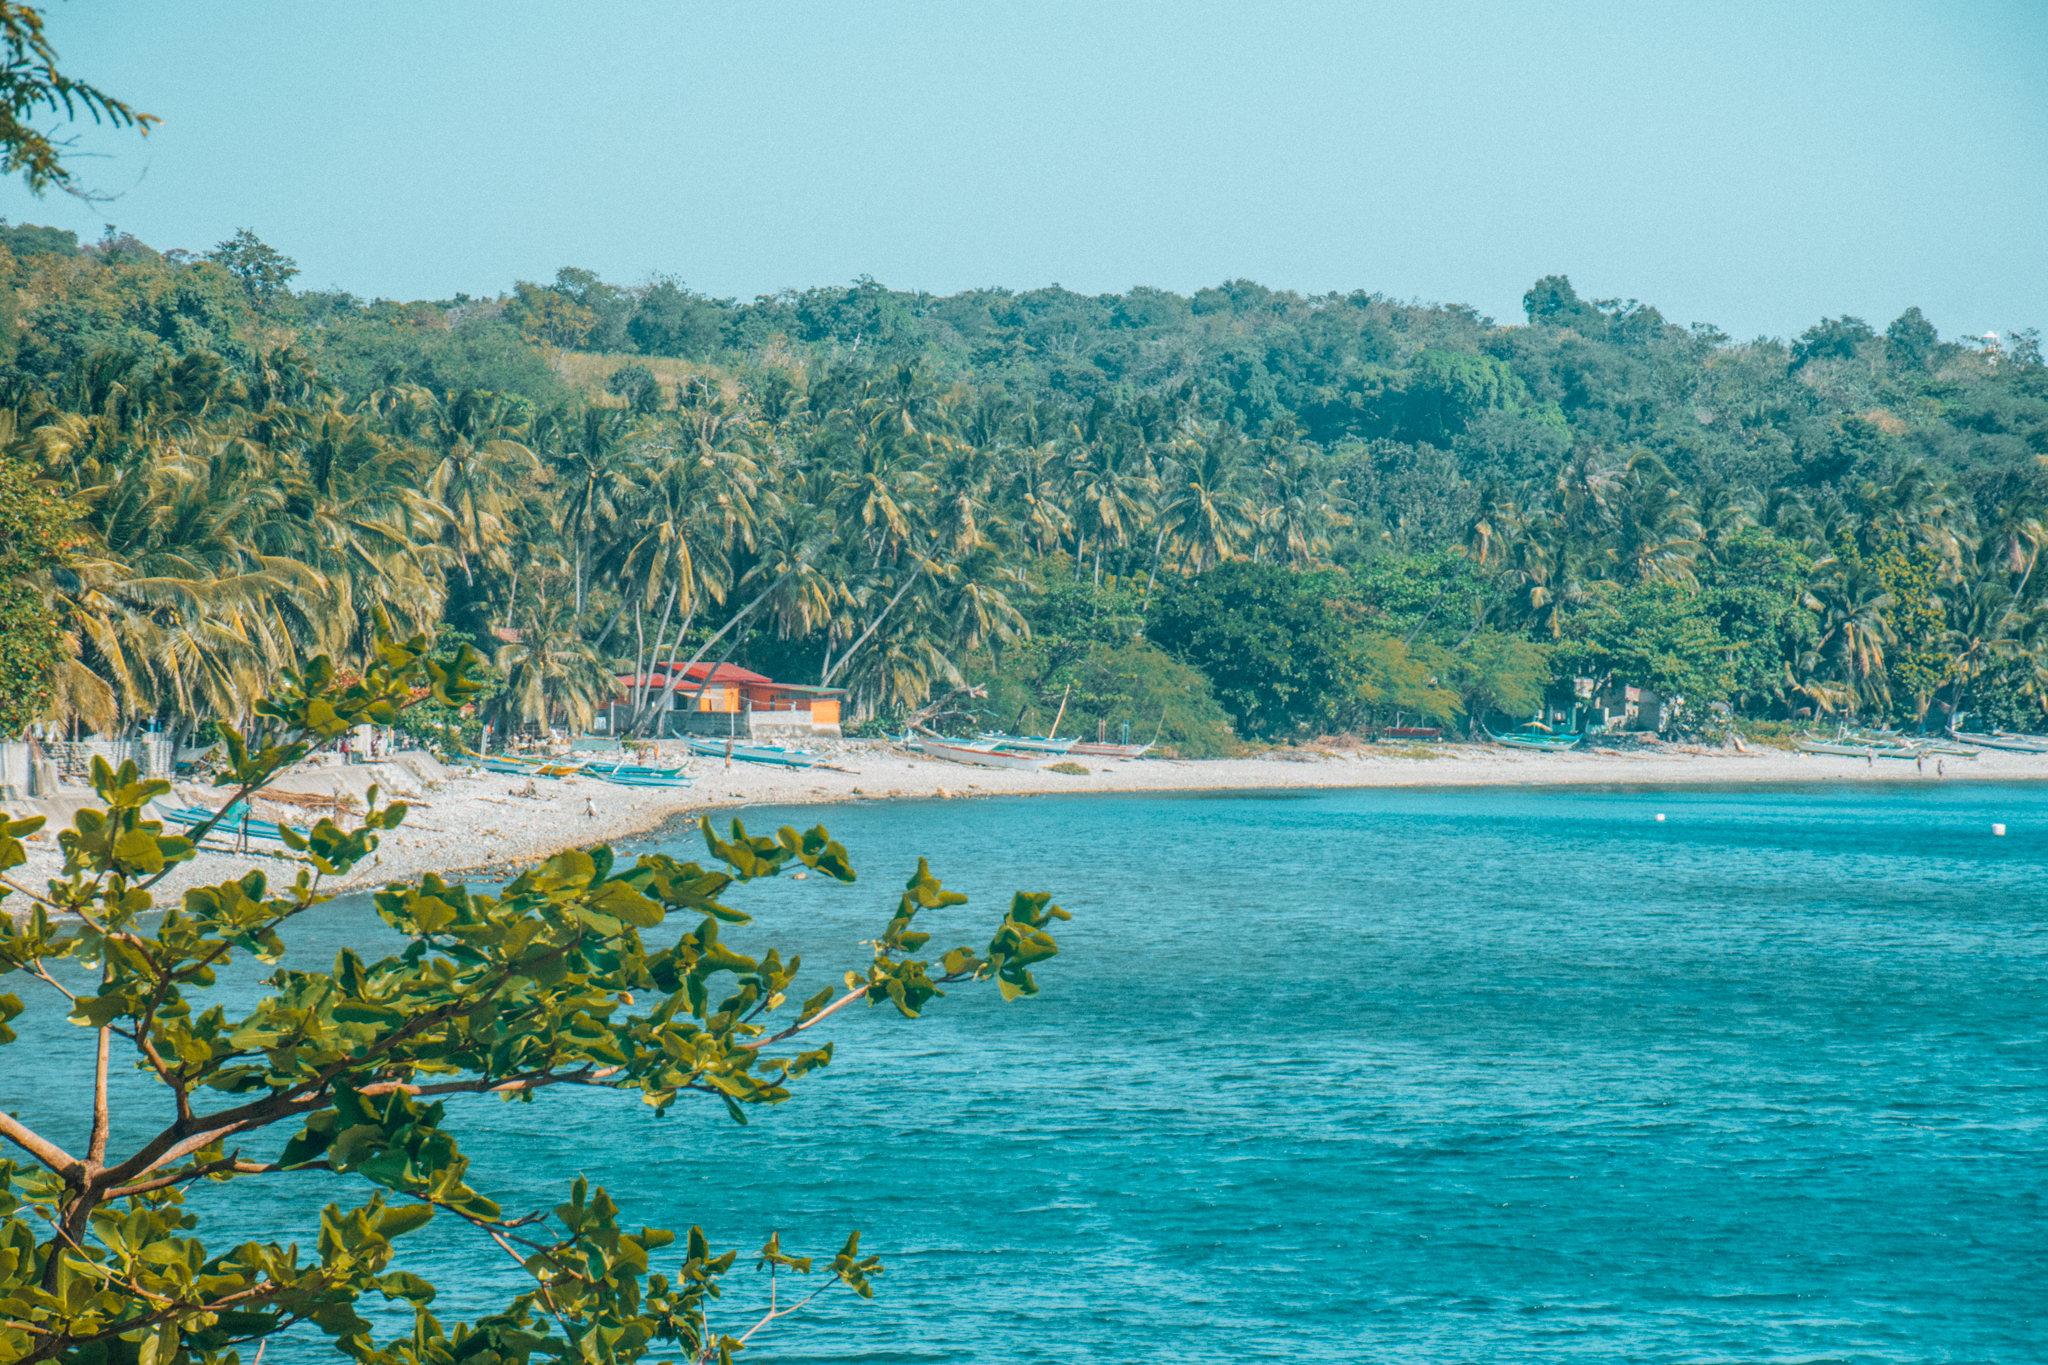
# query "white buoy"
(1998, 831)
(1660, 817)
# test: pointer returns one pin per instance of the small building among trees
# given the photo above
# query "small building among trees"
(725, 700)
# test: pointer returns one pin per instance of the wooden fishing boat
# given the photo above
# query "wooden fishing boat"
(1850, 748)
(1944, 748)
(515, 767)
(1541, 743)
(1028, 744)
(1538, 736)
(2017, 744)
(979, 753)
(236, 823)
(627, 770)
(521, 763)
(1114, 752)
(644, 780)
(774, 755)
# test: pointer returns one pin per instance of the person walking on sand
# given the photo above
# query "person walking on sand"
(589, 809)
(1941, 767)
(1920, 764)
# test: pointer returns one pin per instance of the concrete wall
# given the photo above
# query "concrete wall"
(152, 755)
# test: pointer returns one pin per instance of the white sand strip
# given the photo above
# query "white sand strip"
(481, 822)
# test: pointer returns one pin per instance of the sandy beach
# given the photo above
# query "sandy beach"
(470, 821)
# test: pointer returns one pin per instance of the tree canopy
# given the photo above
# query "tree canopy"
(896, 492)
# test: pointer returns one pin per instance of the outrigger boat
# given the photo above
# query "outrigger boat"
(1881, 746)
(233, 822)
(1849, 748)
(627, 770)
(1093, 749)
(2018, 744)
(644, 779)
(526, 767)
(980, 753)
(772, 754)
(1028, 744)
(1536, 735)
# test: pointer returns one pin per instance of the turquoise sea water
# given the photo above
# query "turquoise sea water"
(1424, 1075)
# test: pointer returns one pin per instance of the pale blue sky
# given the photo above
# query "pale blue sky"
(1754, 165)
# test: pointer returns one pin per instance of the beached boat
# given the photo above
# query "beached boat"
(774, 755)
(235, 824)
(980, 753)
(1028, 744)
(1884, 744)
(515, 767)
(2017, 744)
(1855, 748)
(627, 770)
(1114, 752)
(1539, 736)
(528, 768)
(674, 780)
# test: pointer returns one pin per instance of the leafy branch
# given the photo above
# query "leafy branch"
(551, 982)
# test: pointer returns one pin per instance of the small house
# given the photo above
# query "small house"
(727, 701)
(1614, 705)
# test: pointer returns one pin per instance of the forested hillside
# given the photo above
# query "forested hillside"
(1249, 510)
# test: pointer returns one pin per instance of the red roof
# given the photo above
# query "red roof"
(722, 673)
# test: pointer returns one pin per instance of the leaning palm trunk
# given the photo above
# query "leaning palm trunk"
(675, 647)
(674, 678)
(1158, 544)
(834, 665)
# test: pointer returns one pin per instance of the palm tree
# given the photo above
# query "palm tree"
(596, 468)
(1206, 514)
(481, 468)
(551, 672)
(1035, 496)
(1302, 506)
(1656, 537)
(1845, 667)
(1984, 625)
(883, 479)
(1109, 485)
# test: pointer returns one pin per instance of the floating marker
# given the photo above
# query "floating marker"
(1998, 831)
(1660, 818)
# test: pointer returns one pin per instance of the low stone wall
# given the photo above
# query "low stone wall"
(153, 755)
(771, 726)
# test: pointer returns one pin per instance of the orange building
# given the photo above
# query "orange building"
(725, 699)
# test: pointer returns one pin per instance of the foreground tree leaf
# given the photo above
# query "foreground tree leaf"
(570, 976)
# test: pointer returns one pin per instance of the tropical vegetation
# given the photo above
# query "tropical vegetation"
(1074, 501)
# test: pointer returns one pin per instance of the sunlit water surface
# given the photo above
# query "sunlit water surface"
(1372, 1075)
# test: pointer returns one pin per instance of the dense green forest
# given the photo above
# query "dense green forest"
(1246, 513)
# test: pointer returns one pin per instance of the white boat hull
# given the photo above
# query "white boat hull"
(1028, 744)
(1112, 751)
(981, 756)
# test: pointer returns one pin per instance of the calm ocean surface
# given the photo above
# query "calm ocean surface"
(1442, 1075)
